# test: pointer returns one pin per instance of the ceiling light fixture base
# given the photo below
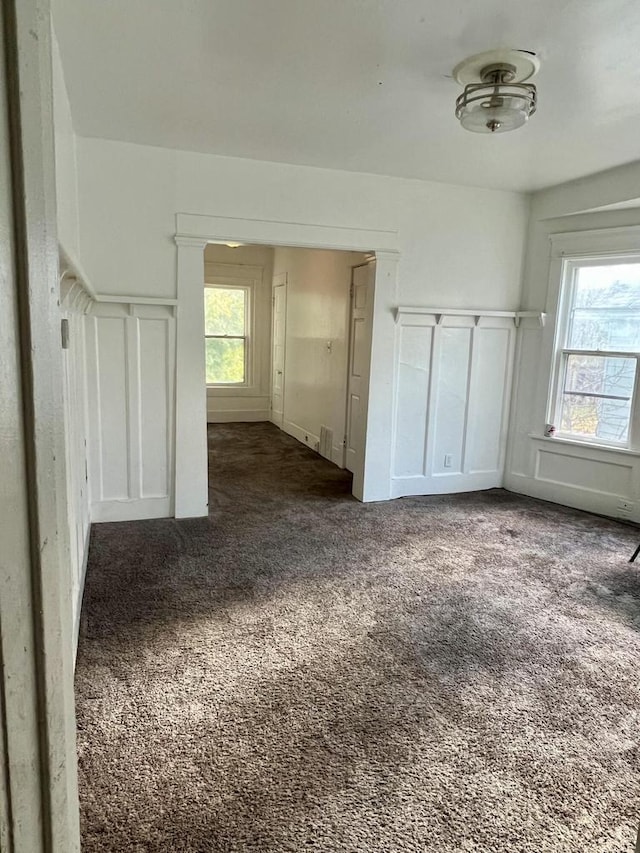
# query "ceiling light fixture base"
(525, 65)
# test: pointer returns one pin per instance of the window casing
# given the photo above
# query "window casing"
(227, 335)
(595, 378)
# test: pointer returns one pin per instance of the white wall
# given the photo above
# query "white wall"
(315, 374)
(570, 473)
(459, 246)
(254, 265)
(65, 153)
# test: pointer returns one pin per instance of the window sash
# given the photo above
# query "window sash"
(245, 360)
(560, 377)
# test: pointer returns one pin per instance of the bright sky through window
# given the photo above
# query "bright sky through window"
(597, 376)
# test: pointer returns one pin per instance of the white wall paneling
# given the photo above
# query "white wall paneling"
(453, 385)
(76, 299)
(601, 480)
(131, 369)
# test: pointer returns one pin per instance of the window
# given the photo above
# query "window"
(226, 312)
(598, 351)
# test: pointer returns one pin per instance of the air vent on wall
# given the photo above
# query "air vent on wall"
(326, 442)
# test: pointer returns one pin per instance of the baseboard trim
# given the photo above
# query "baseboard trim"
(566, 495)
(402, 487)
(238, 416)
(131, 510)
(304, 436)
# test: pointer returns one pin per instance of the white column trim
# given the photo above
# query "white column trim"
(191, 458)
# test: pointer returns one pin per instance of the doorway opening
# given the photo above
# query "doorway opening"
(372, 480)
(287, 339)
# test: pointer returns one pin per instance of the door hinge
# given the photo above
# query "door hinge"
(64, 333)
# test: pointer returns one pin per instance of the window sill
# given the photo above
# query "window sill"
(585, 445)
(234, 391)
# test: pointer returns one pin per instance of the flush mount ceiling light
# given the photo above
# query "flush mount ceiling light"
(496, 97)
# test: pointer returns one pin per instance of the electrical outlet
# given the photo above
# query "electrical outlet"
(625, 507)
(448, 460)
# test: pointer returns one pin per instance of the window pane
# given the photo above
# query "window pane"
(606, 308)
(594, 374)
(224, 311)
(596, 398)
(225, 361)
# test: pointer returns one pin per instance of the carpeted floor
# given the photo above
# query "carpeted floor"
(304, 672)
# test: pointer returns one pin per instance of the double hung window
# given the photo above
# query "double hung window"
(597, 352)
(226, 312)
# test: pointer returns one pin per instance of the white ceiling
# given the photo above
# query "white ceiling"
(355, 84)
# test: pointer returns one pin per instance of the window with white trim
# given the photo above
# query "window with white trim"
(597, 351)
(227, 340)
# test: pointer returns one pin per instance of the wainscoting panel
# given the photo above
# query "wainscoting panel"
(489, 386)
(606, 478)
(413, 393)
(453, 385)
(451, 381)
(596, 479)
(131, 367)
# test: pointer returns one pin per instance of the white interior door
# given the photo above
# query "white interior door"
(362, 282)
(278, 339)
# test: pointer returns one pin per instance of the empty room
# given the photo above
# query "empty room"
(321, 427)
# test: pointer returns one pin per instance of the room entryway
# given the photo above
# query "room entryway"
(288, 334)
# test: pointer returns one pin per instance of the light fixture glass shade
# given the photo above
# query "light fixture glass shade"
(483, 117)
(495, 108)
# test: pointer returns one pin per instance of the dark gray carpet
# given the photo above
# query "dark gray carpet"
(304, 672)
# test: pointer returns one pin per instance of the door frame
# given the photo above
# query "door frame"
(284, 283)
(350, 342)
(193, 233)
(38, 762)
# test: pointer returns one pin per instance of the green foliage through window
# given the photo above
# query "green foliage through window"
(225, 320)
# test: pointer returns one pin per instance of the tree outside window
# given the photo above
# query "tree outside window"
(226, 321)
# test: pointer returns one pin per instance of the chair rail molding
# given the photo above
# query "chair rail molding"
(403, 312)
